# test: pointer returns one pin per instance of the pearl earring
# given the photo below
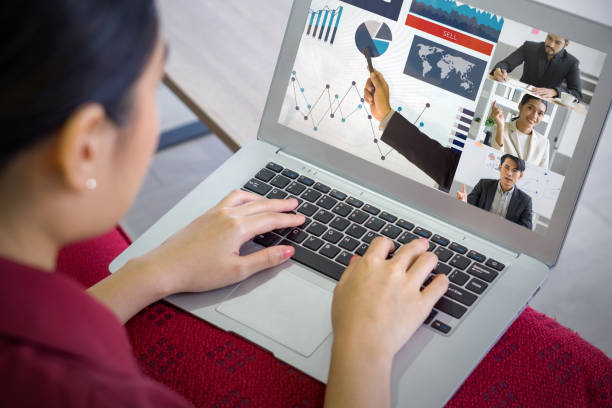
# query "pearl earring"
(91, 183)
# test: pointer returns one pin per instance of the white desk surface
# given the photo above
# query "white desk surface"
(222, 57)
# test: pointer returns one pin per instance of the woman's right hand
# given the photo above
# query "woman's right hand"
(378, 303)
(498, 115)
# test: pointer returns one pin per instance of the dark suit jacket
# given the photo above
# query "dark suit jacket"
(563, 66)
(438, 162)
(519, 208)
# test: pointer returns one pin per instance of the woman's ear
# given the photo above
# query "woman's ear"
(81, 145)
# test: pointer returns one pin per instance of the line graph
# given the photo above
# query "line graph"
(334, 103)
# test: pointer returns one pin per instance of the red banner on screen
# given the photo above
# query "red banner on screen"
(449, 34)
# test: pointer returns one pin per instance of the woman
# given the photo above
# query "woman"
(518, 137)
(77, 109)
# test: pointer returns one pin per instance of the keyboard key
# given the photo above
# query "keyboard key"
(308, 209)
(267, 239)
(443, 254)
(458, 248)
(374, 224)
(280, 181)
(449, 307)
(321, 187)
(432, 246)
(406, 237)
(460, 262)
(297, 235)
(295, 188)
(358, 216)
(388, 217)
(429, 279)
(315, 261)
(405, 224)
(443, 327)
(482, 272)
(342, 209)
(344, 258)
(349, 243)
(276, 193)
(311, 195)
(306, 181)
(422, 232)
(283, 231)
(476, 286)
(442, 268)
(290, 173)
(313, 243)
(338, 195)
(355, 231)
(440, 240)
(274, 167)
(257, 186)
(339, 223)
(461, 295)
(476, 256)
(332, 236)
(323, 216)
(432, 314)
(459, 277)
(391, 231)
(371, 209)
(329, 250)
(316, 228)
(354, 202)
(327, 202)
(369, 237)
(495, 264)
(362, 249)
(265, 175)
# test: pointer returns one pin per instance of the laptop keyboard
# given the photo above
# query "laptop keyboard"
(339, 226)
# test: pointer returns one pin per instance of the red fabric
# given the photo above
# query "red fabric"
(536, 363)
(55, 344)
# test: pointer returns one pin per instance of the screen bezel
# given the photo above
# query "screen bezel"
(416, 195)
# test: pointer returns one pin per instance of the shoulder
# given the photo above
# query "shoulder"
(569, 58)
(532, 45)
(540, 137)
(487, 182)
(523, 195)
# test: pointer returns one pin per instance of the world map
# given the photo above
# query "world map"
(445, 67)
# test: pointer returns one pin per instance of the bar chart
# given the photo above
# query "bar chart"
(322, 22)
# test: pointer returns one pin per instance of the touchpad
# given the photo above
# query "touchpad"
(284, 307)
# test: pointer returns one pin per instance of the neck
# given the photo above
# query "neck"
(523, 126)
(27, 244)
(505, 190)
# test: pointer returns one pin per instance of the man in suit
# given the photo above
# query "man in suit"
(502, 197)
(546, 65)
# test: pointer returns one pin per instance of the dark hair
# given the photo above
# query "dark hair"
(56, 56)
(526, 98)
(520, 163)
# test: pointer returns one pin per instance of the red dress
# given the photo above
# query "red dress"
(59, 347)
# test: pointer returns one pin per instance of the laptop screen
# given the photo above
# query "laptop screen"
(484, 109)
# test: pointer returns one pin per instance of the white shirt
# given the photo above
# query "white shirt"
(501, 201)
(533, 148)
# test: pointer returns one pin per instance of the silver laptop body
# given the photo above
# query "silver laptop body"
(286, 310)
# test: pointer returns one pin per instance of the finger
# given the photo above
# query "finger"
(238, 197)
(434, 291)
(264, 259)
(463, 189)
(267, 205)
(406, 255)
(368, 98)
(377, 79)
(380, 248)
(494, 106)
(369, 86)
(266, 222)
(458, 195)
(422, 266)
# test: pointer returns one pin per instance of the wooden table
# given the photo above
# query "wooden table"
(222, 57)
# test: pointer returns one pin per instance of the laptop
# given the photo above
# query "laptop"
(320, 142)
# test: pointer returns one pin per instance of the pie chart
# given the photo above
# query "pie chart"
(373, 35)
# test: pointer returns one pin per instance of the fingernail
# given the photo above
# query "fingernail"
(287, 252)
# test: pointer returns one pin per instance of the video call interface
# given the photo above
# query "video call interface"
(466, 89)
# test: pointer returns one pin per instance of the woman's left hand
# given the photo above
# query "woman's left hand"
(205, 255)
